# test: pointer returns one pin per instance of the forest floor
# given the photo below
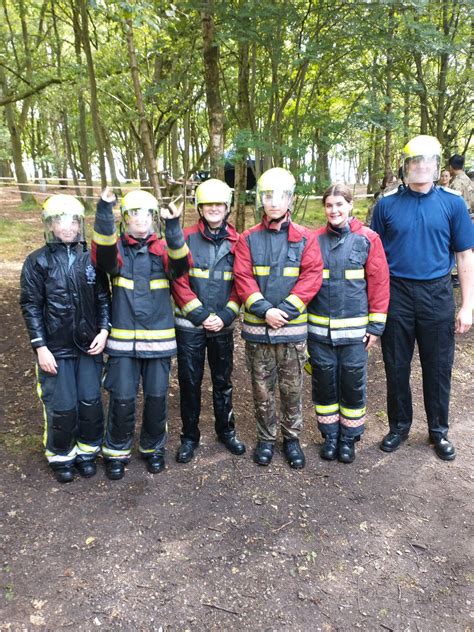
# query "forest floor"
(220, 543)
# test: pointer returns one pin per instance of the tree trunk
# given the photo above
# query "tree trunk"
(243, 116)
(213, 97)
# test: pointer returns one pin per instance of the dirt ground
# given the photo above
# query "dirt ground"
(222, 544)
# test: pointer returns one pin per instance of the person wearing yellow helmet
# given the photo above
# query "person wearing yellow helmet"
(65, 304)
(142, 338)
(207, 307)
(424, 228)
(278, 270)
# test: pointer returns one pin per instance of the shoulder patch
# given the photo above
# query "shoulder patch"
(448, 190)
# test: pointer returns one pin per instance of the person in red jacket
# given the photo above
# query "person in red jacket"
(346, 318)
(207, 306)
(278, 270)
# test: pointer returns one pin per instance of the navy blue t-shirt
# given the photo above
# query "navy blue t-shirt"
(421, 232)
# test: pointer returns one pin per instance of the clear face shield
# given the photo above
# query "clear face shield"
(141, 222)
(276, 200)
(421, 169)
(65, 228)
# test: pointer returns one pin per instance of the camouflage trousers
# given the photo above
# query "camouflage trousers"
(269, 363)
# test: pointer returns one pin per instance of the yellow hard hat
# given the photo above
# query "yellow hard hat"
(421, 146)
(276, 179)
(62, 204)
(214, 191)
(138, 199)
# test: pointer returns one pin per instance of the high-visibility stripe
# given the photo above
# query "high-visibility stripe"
(159, 284)
(319, 320)
(326, 410)
(296, 302)
(251, 318)
(61, 458)
(261, 270)
(285, 331)
(115, 453)
(123, 282)
(194, 304)
(199, 273)
(39, 391)
(166, 345)
(325, 273)
(142, 334)
(227, 275)
(354, 274)
(291, 272)
(377, 318)
(344, 334)
(341, 323)
(319, 331)
(353, 412)
(104, 240)
(178, 253)
(84, 448)
(233, 306)
(187, 324)
(253, 298)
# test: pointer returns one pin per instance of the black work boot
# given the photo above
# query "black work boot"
(294, 454)
(232, 443)
(155, 462)
(114, 469)
(263, 452)
(393, 440)
(443, 447)
(329, 448)
(86, 467)
(346, 449)
(186, 451)
(63, 473)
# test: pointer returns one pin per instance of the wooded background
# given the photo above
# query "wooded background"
(133, 88)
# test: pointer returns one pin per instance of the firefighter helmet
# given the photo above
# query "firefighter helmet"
(421, 160)
(63, 219)
(278, 182)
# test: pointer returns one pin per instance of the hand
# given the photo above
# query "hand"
(108, 195)
(463, 320)
(370, 340)
(172, 211)
(276, 318)
(98, 344)
(46, 361)
(213, 323)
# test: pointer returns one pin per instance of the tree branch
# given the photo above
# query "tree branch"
(24, 95)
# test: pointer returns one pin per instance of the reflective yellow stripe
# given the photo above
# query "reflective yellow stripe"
(104, 240)
(142, 334)
(291, 272)
(39, 391)
(228, 276)
(190, 306)
(296, 302)
(318, 320)
(233, 306)
(109, 452)
(326, 273)
(261, 270)
(322, 410)
(251, 318)
(123, 282)
(377, 318)
(178, 253)
(353, 412)
(354, 274)
(343, 323)
(83, 447)
(253, 298)
(159, 284)
(198, 272)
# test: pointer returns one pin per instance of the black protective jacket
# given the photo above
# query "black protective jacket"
(64, 306)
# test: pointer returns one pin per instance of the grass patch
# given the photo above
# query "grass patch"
(16, 444)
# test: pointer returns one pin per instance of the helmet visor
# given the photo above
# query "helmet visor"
(65, 228)
(421, 169)
(140, 222)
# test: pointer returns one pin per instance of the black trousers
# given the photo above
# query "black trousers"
(192, 347)
(421, 311)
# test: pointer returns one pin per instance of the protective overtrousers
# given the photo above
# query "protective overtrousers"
(192, 348)
(339, 378)
(122, 380)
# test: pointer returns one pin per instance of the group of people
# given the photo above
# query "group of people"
(330, 293)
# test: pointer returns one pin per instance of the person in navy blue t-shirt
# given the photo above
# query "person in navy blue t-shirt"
(424, 229)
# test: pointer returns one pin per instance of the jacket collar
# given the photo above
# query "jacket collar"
(232, 234)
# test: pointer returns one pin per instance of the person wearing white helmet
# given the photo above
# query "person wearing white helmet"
(142, 339)
(65, 304)
(278, 269)
(206, 309)
(423, 228)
